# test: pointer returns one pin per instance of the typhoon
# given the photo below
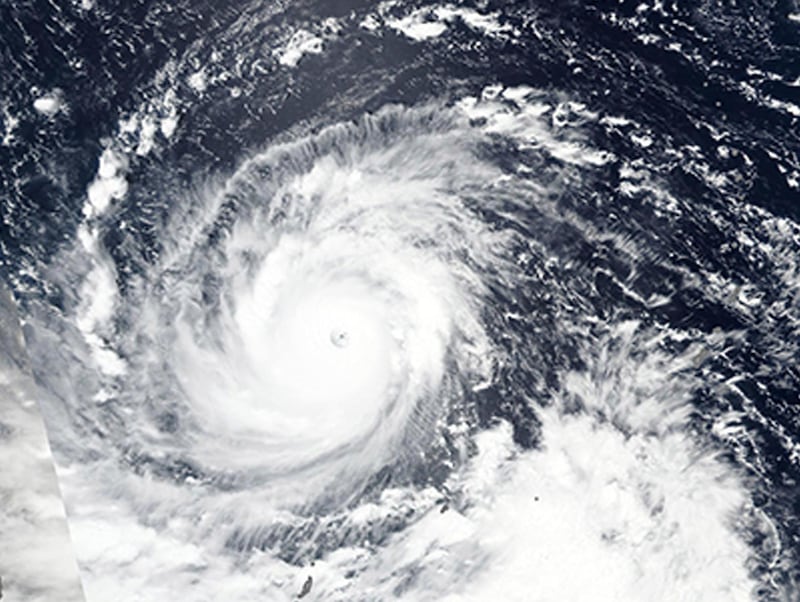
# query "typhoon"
(414, 303)
(316, 314)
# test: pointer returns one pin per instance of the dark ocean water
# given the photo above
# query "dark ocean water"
(662, 191)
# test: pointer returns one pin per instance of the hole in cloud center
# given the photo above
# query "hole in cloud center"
(340, 337)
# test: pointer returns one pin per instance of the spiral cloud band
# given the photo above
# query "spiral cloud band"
(329, 314)
(335, 281)
(399, 301)
(316, 362)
